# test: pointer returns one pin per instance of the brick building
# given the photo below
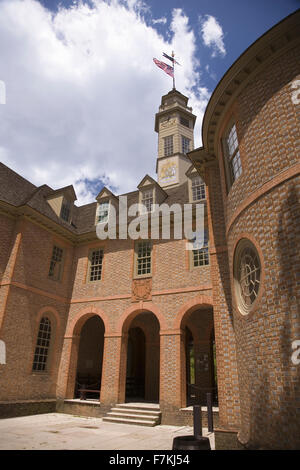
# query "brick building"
(149, 320)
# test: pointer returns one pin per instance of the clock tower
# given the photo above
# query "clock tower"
(174, 124)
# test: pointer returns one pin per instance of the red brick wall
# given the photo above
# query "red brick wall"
(6, 231)
(28, 295)
(268, 191)
(71, 301)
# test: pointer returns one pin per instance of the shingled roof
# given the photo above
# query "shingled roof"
(17, 191)
(14, 189)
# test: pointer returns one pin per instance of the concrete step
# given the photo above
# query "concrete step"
(136, 411)
(138, 422)
(114, 414)
(139, 406)
(143, 414)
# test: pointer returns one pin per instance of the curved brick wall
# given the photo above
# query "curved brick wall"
(263, 205)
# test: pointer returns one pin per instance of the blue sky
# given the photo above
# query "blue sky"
(82, 89)
(242, 21)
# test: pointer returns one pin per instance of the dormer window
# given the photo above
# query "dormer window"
(65, 210)
(147, 199)
(168, 145)
(198, 189)
(103, 212)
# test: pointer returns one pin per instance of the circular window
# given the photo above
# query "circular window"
(247, 272)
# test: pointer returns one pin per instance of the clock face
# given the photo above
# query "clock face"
(168, 173)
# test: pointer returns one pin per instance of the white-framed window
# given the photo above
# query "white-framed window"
(65, 210)
(233, 154)
(198, 188)
(147, 199)
(168, 145)
(56, 264)
(95, 264)
(103, 212)
(185, 144)
(42, 346)
(143, 258)
(200, 255)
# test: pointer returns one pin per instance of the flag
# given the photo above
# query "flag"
(170, 58)
(165, 67)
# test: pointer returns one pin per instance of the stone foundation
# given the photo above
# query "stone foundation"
(227, 440)
(82, 408)
(25, 408)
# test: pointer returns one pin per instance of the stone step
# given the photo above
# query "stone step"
(138, 422)
(142, 414)
(139, 406)
(114, 414)
(137, 411)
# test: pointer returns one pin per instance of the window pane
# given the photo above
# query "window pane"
(147, 199)
(56, 263)
(232, 140)
(168, 145)
(103, 211)
(96, 265)
(144, 258)
(42, 345)
(236, 166)
(233, 154)
(200, 255)
(65, 210)
(198, 188)
(185, 144)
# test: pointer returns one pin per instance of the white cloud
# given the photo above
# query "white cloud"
(212, 35)
(211, 73)
(82, 91)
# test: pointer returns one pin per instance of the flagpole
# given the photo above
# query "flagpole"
(173, 55)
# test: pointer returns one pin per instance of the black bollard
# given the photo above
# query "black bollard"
(210, 421)
(197, 421)
(191, 443)
(195, 442)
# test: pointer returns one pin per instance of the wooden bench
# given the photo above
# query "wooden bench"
(84, 391)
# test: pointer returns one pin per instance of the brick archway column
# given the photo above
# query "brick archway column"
(227, 371)
(172, 370)
(67, 369)
(113, 384)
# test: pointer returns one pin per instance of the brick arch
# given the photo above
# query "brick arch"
(145, 329)
(132, 311)
(75, 325)
(189, 307)
(53, 314)
(194, 332)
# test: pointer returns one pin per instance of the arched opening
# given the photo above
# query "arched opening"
(200, 357)
(135, 376)
(90, 357)
(142, 370)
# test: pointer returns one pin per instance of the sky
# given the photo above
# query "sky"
(82, 89)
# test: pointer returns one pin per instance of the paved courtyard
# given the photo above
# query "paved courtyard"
(58, 431)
